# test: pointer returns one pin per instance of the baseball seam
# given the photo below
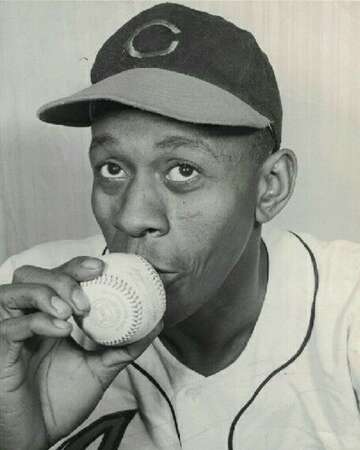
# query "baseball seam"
(114, 282)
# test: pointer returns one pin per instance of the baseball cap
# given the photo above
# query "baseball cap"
(181, 63)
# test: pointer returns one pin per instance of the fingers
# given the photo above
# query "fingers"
(27, 310)
(16, 333)
(64, 280)
(25, 327)
(83, 268)
(39, 301)
(28, 297)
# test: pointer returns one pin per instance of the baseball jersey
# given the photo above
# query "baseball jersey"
(296, 385)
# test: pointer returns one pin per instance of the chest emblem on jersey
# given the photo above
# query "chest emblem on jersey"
(111, 427)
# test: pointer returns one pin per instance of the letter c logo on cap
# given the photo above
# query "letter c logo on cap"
(139, 54)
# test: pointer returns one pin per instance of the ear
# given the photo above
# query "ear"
(276, 184)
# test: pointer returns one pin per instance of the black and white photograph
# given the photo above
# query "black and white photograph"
(179, 225)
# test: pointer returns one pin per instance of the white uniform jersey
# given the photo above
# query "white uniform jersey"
(296, 385)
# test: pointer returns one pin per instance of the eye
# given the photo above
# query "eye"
(182, 173)
(112, 170)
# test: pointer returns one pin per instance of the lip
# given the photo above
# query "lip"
(166, 276)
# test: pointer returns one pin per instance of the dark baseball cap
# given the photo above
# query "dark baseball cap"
(181, 63)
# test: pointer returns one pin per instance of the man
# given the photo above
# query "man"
(258, 345)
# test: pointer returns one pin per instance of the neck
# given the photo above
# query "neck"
(216, 335)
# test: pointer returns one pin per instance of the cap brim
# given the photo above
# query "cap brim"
(160, 91)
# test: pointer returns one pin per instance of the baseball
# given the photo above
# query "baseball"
(127, 300)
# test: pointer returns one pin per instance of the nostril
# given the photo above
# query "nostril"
(154, 231)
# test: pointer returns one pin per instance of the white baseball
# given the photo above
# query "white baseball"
(127, 300)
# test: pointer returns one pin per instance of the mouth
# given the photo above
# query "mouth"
(167, 277)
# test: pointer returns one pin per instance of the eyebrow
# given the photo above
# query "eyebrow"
(171, 142)
(103, 139)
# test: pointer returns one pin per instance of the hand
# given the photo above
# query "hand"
(48, 384)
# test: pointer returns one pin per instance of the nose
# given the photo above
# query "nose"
(140, 210)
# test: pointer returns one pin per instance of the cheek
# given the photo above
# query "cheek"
(214, 226)
(210, 233)
(102, 207)
(223, 208)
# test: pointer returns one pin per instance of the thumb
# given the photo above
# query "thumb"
(108, 362)
(82, 268)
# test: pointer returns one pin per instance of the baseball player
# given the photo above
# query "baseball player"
(259, 345)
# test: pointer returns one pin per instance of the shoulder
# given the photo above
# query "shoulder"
(52, 254)
(330, 272)
(329, 268)
(337, 253)
(336, 261)
(338, 265)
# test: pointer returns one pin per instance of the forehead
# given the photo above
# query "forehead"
(132, 127)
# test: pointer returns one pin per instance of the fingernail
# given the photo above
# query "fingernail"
(80, 300)
(60, 323)
(59, 306)
(92, 264)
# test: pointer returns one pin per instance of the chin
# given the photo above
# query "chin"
(180, 306)
(173, 314)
